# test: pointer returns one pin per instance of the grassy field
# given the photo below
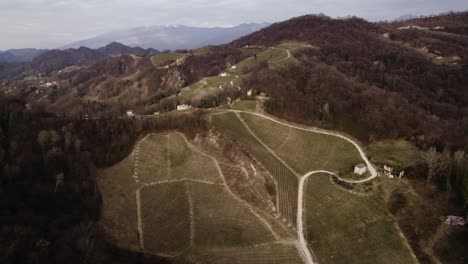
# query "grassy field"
(287, 182)
(265, 254)
(164, 57)
(207, 87)
(167, 157)
(118, 213)
(304, 150)
(276, 57)
(346, 228)
(397, 153)
(221, 221)
(187, 164)
(152, 159)
(248, 186)
(245, 105)
(165, 217)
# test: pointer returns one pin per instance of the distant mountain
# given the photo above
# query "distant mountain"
(54, 60)
(170, 37)
(19, 55)
(406, 17)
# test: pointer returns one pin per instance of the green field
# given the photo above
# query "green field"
(205, 88)
(287, 181)
(345, 228)
(303, 150)
(397, 153)
(245, 105)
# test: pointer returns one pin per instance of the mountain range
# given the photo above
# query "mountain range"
(170, 37)
(19, 55)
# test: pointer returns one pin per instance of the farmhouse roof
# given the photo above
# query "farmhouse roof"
(360, 165)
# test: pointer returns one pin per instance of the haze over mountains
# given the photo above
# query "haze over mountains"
(170, 36)
(19, 55)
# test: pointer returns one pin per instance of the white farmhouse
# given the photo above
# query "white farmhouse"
(183, 107)
(360, 168)
(223, 74)
(130, 113)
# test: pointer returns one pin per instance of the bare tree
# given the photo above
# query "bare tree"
(433, 161)
(459, 158)
(446, 165)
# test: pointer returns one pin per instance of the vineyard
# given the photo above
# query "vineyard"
(287, 181)
(264, 254)
(346, 228)
(185, 208)
(165, 218)
(221, 221)
(304, 150)
(118, 199)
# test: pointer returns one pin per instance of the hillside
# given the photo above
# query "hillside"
(372, 80)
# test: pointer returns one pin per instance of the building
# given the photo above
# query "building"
(360, 168)
(130, 113)
(223, 74)
(183, 107)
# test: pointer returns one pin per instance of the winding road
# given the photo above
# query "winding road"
(370, 167)
(305, 251)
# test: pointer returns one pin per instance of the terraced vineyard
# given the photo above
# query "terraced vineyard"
(287, 181)
(161, 204)
(304, 150)
(346, 228)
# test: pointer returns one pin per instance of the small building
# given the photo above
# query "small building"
(360, 168)
(130, 113)
(223, 74)
(156, 113)
(183, 107)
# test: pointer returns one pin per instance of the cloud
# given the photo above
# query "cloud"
(52, 23)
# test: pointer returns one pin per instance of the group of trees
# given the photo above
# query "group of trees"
(448, 170)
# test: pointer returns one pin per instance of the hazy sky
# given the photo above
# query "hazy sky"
(52, 23)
